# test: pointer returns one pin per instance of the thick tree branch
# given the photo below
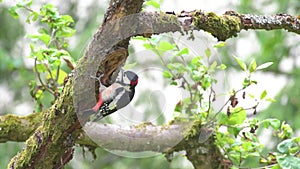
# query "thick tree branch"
(222, 27)
(16, 128)
(144, 137)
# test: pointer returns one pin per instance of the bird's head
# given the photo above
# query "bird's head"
(131, 78)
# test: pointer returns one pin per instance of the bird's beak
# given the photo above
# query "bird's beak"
(122, 74)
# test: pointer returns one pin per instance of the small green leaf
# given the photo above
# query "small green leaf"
(222, 67)
(251, 161)
(252, 66)
(265, 65)
(296, 140)
(220, 44)
(66, 20)
(139, 38)
(173, 83)
(33, 16)
(263, 94)
(237, 116)
(167, 74)
(207, 52)
(130, 65)
(39, 94)
(213, 65)
(65, 32)
(241, 63)
(270, 100)
(251, 95)
(274, 123)
(184, 51)
(24, 3)
(165, 46)
(234, 130)
(12, 11)
(148, 46)
(61, 76)
(43, 37)
(277, 166)
(41, 68)
(152, 3)
(285, 145)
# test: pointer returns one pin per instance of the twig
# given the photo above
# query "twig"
(40, 80)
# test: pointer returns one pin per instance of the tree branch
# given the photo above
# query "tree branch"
(144, 137)
(222, 27)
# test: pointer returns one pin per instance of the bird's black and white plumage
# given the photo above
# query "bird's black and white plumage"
(116, 96)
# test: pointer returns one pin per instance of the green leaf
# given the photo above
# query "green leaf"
(43, 37)
(213, 65)
(277, 166)
(167, 74)
(205, 81)
(296, 139)
(252, 66)
(65, 32)
(33, 16)
(148, 46)
(39, 94)
(179, 67)
(251, 161)
(263, 94)
(207, 52)
(265, 65)
(41, 68)
(24, 3)
(270, 100)
(165, 46)
(251, 96)
(66, 20)
(129, 65)
(173, 83)
(288, 162)
(220, 44)
(184, 51)
(139, 38)
(237, 116)
(222, 67)
(152, 3)
(12, 11)
(61, 76)
(274, 123)
(235, 130)
(241, 63)
(285, 145)
(195, 63)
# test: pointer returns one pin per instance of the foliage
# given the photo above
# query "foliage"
(48, 49)
(239, 142)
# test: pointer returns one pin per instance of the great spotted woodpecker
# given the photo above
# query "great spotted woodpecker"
(116, 96)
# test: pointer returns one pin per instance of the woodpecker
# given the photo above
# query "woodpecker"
(116, 96)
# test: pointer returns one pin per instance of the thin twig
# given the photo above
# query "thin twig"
(40, 79)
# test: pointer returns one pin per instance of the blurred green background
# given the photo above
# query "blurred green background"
(280, 47)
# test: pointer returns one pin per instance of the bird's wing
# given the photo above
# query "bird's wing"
(122, 98)
(110, 92)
